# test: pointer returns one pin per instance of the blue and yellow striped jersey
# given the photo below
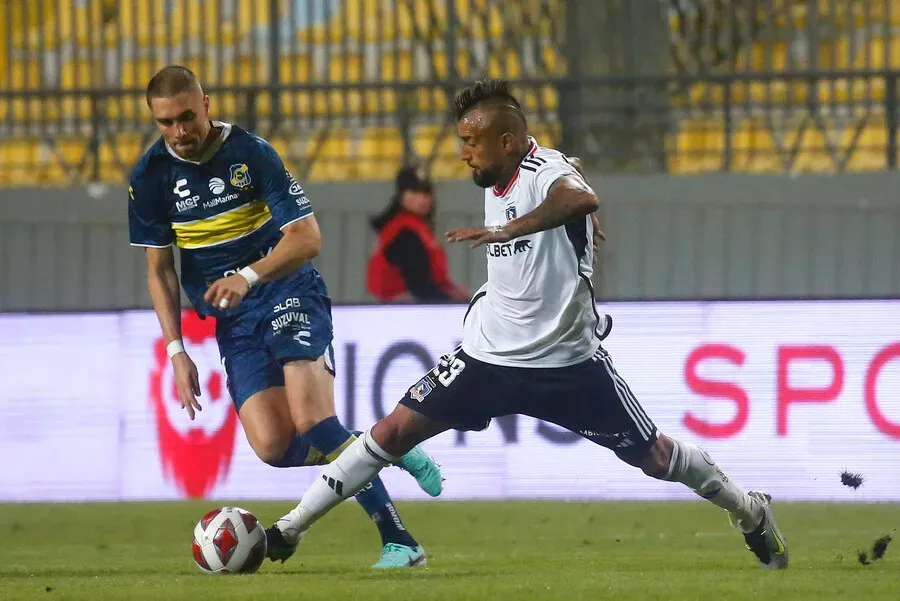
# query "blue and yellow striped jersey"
(223, 212)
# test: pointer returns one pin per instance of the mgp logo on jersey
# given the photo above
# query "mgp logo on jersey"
(195, 455)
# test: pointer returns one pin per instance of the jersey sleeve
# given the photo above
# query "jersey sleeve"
(286, 199)
(547, 171)
(148, 219)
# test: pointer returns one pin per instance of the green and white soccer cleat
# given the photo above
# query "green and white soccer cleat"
(766, 541)
(424, 469)
(401, 556)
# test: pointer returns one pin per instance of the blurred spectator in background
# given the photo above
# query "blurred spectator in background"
(409, 264)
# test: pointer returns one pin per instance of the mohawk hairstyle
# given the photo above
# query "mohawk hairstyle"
(170, 81)
(490, 92)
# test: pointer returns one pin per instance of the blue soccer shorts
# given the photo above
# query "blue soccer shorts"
(275, 327)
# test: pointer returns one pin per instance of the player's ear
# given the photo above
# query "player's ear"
(507, 142)
(206, 102)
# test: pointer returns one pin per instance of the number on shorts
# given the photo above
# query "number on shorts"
(453, 366)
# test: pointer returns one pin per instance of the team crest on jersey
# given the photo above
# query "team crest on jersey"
(240, 175)
(510, 213)
(421, 389)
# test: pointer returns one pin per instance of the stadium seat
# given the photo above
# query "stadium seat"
(870, 149)
(699, 144)
(439, 144)
(330, 151)
(20, 160)
(546, 134)
(753, 149)
(815, 151)
(380, 153)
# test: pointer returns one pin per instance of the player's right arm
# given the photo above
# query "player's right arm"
(150, 227)
(599, 236)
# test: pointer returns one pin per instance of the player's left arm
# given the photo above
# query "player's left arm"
(300, 243)
(568, 198)
(301, 240)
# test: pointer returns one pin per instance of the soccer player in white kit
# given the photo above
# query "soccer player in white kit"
(532, 336)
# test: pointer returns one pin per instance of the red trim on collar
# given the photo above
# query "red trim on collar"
(500, 193)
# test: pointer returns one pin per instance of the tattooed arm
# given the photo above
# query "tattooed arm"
(567, 199)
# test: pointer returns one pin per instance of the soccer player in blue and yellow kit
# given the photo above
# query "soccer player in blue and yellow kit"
(246, 235)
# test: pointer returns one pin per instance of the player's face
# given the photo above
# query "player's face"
(481, 149)
(183, 120)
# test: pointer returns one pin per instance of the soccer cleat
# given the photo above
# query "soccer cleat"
(401, 556)
(424, 469)
(766, 541)
(277, 547)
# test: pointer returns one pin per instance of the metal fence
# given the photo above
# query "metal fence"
(349, 89)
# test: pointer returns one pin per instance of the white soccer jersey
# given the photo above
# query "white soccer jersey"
(537, 307)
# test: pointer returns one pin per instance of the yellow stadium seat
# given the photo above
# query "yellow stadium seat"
(885, 57)
(21, 160)
(380, 153)
(699, 147)
(441, 143)
(330, 151)
(545, 134)
(137, 73)
(753, 149)
(544, 98)
(816, 152)
(397, 66)
(345, 67)
(869, 152)
(295, 68)
(415, 22)
(130, 146)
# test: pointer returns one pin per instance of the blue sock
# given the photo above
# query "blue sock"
(329, 437)
(298, 454)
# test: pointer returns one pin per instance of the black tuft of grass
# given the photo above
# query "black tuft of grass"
(852, 480)
(878, 550)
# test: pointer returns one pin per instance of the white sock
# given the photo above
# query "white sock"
(693, 467)
(342, 478)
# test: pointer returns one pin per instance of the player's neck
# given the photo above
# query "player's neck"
(211, 136)
(510, 171)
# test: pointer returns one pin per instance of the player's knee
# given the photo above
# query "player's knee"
(395, 434)
(305, 424)
(653, 460)
(658, 458)
(271, 451)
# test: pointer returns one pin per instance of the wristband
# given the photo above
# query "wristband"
(175, 347)
(251, 276)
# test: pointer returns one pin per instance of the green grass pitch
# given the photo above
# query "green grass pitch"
(482, 551)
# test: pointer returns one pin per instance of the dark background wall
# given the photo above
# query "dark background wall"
(715, 236)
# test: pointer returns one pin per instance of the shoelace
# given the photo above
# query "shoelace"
(392, 548)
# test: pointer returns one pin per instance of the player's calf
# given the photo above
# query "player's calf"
(677, 461)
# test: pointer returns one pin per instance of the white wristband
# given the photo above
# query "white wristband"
(175, 347)
(251, 276)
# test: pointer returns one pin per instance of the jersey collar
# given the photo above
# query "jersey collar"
(213, 148)
(501, 192)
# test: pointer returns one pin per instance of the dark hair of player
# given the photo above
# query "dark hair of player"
(170, 81)
(488, 93)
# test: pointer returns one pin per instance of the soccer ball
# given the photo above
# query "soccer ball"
(229, 540)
